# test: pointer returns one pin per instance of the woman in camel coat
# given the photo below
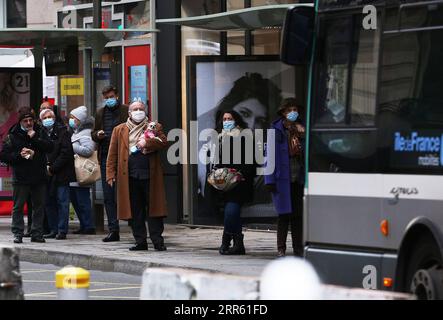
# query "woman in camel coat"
(138, 177)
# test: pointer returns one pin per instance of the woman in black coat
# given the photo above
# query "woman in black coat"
(60, 167)
(230, 128)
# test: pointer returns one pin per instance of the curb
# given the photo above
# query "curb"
(207, 283)
(94, 262)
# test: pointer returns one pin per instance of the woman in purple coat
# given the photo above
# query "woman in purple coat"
(286, 183)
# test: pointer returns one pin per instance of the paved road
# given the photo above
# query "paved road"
(39, 283)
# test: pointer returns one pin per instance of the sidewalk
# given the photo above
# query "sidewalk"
(189, 247)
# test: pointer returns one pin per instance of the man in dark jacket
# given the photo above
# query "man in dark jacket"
(25, 149)
(106, 119)
(60, 167)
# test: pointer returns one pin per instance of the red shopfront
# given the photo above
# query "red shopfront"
(137, 67)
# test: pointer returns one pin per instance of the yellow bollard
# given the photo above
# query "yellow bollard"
(72, 283)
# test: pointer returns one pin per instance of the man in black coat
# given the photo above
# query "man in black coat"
(60, 167)
(25, 149)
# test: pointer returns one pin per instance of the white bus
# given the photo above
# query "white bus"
(373, 206)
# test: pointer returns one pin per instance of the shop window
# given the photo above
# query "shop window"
(236, 42)
(235, 5)
(16, 13)
(266, 41)
(72, 89)
(137, 15)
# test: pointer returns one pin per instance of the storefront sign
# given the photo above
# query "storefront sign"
(72, 86)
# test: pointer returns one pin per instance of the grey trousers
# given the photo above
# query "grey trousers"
(21, 194)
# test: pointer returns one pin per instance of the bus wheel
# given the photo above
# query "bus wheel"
(427, 284)
(425, 272)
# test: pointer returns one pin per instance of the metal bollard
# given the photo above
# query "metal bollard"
(72, 283)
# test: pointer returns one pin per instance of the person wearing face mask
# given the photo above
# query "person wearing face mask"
(81, 126)
(286, 183)
(60, 169)
(231, 131)
(138, 177)
(107, 118)
(47, 105)
(25, 149)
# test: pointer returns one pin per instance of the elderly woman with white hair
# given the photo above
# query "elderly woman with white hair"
(138, 174)
(60, 168)
(83, 145)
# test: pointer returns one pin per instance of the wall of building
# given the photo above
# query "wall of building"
(42, 13)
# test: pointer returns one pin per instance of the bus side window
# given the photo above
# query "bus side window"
(410, 100)
(344, 133)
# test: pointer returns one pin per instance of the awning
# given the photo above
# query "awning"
(243, 19)
(59, 37)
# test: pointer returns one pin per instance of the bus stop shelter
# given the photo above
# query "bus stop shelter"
(92, 42)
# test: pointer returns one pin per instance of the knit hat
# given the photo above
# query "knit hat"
(44, 111)
(81, 113)
(25, 112)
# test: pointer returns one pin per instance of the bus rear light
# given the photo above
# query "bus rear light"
(384, 227)
(387, 282)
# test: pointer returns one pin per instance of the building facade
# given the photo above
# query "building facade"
(186, 56)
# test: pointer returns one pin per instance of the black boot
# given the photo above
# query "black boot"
(226, 243)
(238, 248)
(112, 236)
(282, 234)
(50, 235)
(139, 247)
(297, 236)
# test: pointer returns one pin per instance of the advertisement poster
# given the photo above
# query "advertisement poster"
(138, 82)
(254, 88)
(14, 93)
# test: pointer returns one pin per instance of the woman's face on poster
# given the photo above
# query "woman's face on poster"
(253, 113)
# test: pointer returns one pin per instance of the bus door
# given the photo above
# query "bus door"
(344, 200)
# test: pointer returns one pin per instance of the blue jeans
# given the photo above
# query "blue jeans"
(109, 199)
(233, 223)
(81, 201)
(57, 210)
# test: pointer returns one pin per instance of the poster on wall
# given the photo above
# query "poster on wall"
(138, 83)
(254, 87)
(15, 92)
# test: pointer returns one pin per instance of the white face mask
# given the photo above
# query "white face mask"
(138, 115)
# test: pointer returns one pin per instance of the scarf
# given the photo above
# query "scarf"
(233, 133)
(294, 138)
(135, 131)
